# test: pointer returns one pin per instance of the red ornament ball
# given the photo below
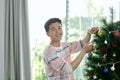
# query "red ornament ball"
(104, 49)
(114, 43)
(116, 34)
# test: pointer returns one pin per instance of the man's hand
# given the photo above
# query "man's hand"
(88, 47)
(93, 30)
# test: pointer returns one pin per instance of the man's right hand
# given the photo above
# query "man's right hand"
(88, 47)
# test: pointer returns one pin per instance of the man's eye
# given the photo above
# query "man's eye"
(53, 30)
(59, 27)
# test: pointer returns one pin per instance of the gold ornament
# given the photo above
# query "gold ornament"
(100, 33)
(95, 50)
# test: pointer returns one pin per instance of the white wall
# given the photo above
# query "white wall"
(2, 8)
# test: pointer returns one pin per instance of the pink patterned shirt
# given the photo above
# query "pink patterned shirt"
(57, 60)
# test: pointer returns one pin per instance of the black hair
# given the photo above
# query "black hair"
(50, 21)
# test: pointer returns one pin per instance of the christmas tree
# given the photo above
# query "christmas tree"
(103, 63)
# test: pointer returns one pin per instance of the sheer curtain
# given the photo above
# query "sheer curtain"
(16, 41)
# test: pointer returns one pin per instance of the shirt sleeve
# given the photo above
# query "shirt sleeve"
(58, 63)
(76, 46)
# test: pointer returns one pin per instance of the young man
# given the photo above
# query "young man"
(58, 64)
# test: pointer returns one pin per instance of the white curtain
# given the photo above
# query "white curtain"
(16, 41)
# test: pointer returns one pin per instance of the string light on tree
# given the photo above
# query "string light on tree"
(114, 55)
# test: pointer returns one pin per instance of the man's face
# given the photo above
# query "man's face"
(55, 31)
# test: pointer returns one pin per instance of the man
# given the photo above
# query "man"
(58, 64)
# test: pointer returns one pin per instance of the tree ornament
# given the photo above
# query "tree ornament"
(114, 55)
(94, 44)
(104, 57)
(113, 67)
(104, 49)
(116, 34)
(105, 70)
(114, 43)
(95, 50)
(94, 77)
(105, 42)
(98, 64)
(109, 32)
(100, 33)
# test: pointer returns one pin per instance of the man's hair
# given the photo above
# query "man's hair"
(50, 21)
